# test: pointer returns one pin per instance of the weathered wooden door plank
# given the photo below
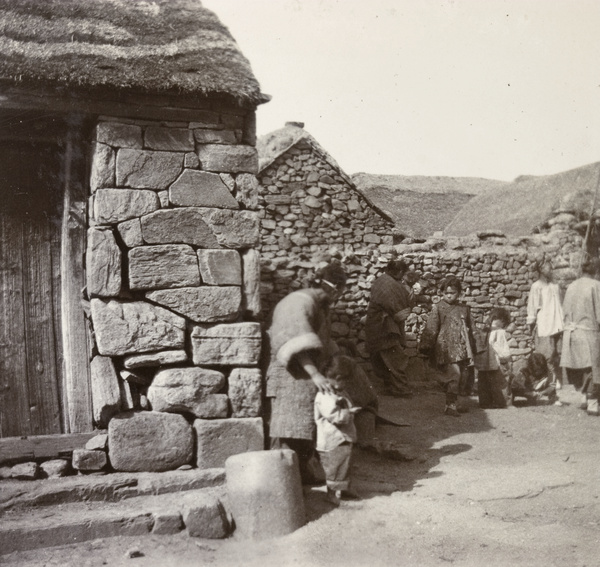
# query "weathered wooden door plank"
(39, 327)
(14, 394)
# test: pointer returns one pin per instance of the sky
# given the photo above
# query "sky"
(476, 88)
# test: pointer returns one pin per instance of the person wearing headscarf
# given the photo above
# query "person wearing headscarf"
(300, 346)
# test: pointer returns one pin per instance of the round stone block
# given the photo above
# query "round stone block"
(265, 493)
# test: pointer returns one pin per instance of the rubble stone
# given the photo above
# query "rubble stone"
(204, 516)
(84, 460)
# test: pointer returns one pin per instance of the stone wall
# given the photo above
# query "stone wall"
(173, 287)
(495, 271)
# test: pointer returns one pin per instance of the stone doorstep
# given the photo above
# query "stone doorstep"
(75, 522)
(111, 487)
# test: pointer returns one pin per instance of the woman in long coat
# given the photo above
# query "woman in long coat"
(300, 343)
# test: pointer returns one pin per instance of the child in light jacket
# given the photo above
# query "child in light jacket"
(336, 433)
(494, 364)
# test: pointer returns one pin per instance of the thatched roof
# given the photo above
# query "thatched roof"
(158, 46)
(524, 205)
(421, 205)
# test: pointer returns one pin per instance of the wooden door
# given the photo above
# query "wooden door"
(30, 332)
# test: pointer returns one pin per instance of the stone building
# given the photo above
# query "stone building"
(309, 211)
(129, 275)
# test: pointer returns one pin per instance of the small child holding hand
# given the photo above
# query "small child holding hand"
(336, 433)
(494, 364)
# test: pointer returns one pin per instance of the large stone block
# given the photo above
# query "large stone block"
(144, 169)
(119, 135)
(220, 267)
(161, 358)
(131, 233)
(228, 159)
(170, 139)
(149, 441)
(196, 188)
(201, 304)
(103, 263)
(251, 282)
(233, 229)
(187, 225)
(219, 439)
(189, 390)
(116, 205)
(245, 392)
(102, 172)
(133, 327)
(264, 493)
(230, 344)
(203, 227)
(204, 136)
(106, 395)
(204, 516)
(171, 265)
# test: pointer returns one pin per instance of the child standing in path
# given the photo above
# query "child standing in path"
(449, 334)
(336, 433)
(545, 319)
(494, 364)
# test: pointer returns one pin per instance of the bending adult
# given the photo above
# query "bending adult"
(581, 335)
(389, 306)
(301, 345)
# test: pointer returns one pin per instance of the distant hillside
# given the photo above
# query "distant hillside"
(421, 205)
(526, 203)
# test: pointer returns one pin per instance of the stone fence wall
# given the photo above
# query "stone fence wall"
(173, 287)
(494, 270)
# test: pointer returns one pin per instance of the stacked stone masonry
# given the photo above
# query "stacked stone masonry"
(312, 213)
(173, 283)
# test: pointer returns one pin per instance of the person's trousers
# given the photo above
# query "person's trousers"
(581, 378)
(336, 464)
(311, 471)
(550, 347)
(390, 365)
(493, 389)
(457, 379)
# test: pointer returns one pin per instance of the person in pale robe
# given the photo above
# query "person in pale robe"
(300, 346)
(545, 319)
(581, 335)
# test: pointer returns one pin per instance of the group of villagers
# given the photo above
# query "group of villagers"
(322, 402)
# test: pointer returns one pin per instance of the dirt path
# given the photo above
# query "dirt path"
(492, 488)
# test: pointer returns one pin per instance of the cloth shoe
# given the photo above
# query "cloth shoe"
(584, 402)
(334, 496)
(450, 409)
(592, 407)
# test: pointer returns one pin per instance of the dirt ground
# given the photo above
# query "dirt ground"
(491, 488)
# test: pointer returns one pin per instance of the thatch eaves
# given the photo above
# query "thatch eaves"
(158, 47)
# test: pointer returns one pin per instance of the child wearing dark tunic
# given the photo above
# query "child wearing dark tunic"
(494, 363)
(448, 338)
(336, 433)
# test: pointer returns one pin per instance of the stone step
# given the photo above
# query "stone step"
(16, 494)
(201, 512)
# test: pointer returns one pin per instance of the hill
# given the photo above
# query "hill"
(521, 206)
(420, 205)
